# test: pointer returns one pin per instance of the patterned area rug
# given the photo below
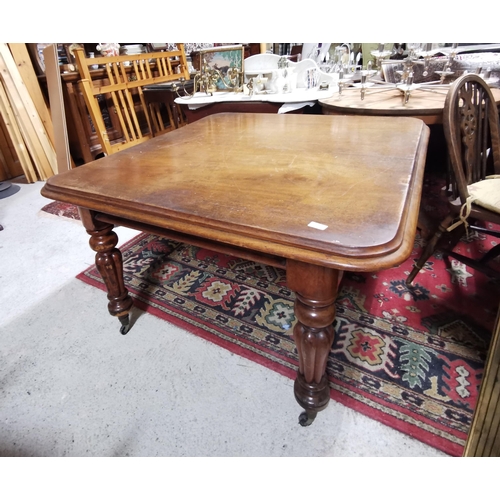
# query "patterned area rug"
(61, 209)
(410, 358)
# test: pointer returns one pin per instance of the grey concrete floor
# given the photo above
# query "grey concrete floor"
(71, 385)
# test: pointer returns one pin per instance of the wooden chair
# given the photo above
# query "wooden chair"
(471, 128)
(120, 94)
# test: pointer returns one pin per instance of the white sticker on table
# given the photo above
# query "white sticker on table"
(317, 225)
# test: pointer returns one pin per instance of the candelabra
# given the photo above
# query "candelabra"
(380, 55)
(342, 82)
(365, 83)
(447, 67)
(416, 67)
(207, 80)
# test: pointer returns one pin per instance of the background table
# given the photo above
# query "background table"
(297, 102)
(202, 105)
(424, 104)
(165, 93)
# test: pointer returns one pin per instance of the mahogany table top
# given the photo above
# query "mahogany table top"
(337, 191)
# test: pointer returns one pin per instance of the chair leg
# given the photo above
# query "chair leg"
(478, 265)
(173, 124)
(490, 255)
(154, 115)
(429, 248)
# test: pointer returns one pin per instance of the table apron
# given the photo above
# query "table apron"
(283, 251)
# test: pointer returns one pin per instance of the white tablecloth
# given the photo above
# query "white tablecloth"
(291, 101)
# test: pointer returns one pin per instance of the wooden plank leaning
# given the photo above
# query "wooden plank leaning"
(54, 86)
(16, 136)
(30, 124)
(23, 62)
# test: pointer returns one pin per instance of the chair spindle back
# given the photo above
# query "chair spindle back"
(471, 127)
(122, 85)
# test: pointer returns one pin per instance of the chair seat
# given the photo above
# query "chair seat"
(477, 211)
(486, 193)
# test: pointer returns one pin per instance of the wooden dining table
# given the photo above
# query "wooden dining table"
(315, 195)
(426, 104)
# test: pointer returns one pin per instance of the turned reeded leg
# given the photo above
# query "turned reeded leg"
(103, 241)
(315, 288)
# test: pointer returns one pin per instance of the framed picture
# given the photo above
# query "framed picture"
(227, 60)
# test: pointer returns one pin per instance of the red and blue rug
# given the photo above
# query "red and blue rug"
(410, 358)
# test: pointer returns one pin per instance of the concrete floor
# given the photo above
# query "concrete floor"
(71, 385)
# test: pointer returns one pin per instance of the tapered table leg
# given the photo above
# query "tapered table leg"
(315, 288)
(103, 241)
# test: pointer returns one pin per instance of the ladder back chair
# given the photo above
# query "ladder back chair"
(471, 127)
(125, 76)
